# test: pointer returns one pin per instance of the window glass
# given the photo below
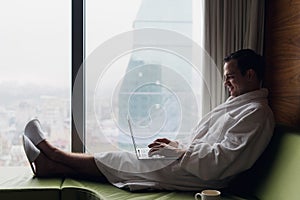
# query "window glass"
(35, 73)
(126, 77)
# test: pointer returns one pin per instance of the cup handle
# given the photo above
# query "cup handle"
(197, 195)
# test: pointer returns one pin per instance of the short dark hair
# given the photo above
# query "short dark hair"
(248, 59)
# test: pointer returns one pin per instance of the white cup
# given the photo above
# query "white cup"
(209, 195)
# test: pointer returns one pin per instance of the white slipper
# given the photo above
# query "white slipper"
(31, 151)
(34, 132)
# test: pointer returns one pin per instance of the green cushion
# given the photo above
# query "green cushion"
(282, 181)
(81, 190)
(18, 183)
(93, 190)
(276, 175)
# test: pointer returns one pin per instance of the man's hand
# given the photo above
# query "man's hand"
(164, 140)
(165, 147)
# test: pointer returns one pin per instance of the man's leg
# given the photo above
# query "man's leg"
(55, 162)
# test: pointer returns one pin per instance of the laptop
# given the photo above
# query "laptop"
(142, 153)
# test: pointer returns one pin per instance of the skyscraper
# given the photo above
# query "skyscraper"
(154, 92)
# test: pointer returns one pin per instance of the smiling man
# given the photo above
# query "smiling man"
(243, 72)
(225, 142)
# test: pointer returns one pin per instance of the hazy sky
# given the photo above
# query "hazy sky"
(35, 41)
(35, 36)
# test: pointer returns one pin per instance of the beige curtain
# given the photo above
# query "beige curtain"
(230, 25)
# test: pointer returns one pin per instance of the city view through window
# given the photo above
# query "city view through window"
(35, 76)
(35, 65)
(150, 86)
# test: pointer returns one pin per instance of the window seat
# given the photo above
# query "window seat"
(275, 176)
(77, 189)
(18, 183)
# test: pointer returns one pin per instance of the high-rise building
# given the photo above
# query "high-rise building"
(154, 93)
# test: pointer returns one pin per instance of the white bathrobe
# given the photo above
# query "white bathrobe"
(227, 141)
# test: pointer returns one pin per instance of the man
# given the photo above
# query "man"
(227, 141)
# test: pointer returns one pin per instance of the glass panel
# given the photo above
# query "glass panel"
(133, 69)
(35, 73)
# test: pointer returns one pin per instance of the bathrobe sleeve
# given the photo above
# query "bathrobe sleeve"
(242, 142)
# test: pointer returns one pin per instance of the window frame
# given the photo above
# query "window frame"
(78, 55)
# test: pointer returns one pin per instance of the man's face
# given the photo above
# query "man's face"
(233, 79)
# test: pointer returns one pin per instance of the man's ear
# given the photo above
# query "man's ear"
(250, 74)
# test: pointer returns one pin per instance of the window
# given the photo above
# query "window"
(35, 73)
(156, 87)
(152, 86)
